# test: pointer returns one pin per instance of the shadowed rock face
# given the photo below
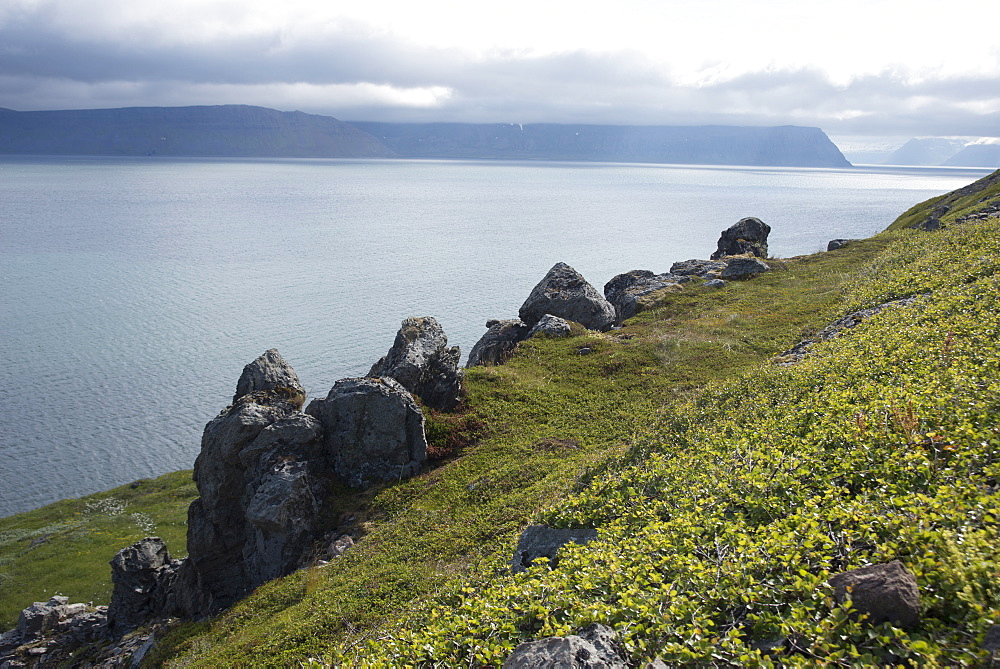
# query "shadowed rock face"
(566, 294)
(372, 430)
(422, 362)
(142, 575)
(498, 343)
(746, 236)
(885, 592)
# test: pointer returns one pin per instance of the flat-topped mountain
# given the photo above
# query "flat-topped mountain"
(789, 146)
(259, 132)
(228, 130)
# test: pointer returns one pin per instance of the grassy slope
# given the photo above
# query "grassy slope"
(550, 418)
(64, 548)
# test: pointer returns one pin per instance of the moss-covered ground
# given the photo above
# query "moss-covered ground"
(725, 490)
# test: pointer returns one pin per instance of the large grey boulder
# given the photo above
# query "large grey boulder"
(268, 372)
(550, 326)
(746, 236)
(422, 362)
(142, 575)
(261, 475)
(498, 343)
(626, 291)
(705, 269)
(886, 592)
(372, 430)
(743, 268)
(594, 648)
(563, 292)
(541, 541)
(835, 244)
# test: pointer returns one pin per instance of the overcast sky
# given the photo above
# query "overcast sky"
(851, 67)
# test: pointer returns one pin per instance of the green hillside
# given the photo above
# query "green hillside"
(725, 489)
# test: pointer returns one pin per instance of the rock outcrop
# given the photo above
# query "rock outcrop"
(540, 541)
(422, 362)
(595, 647)
(885, 592)
(550, 326)
(746, 236)
(142, 576)
(704, 269)
(563, 292)
(372, 430)
(498, 343)
(835, 244)
(626, 292)
(743, 268)
(267, 372)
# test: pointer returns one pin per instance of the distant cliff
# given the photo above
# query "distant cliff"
(790, 146)
(229, 130)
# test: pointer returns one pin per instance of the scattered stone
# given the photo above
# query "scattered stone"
(594, 648)
(991, 640)
(268, 372)
(339, 546)
(626, 291)
(498, 344)
(551, 326)
(372, 430)
(743, 268)
(886, 592)
(584, 350)
(836, 328)
(835, 244)
(714, 283)
(929, 224)
(705, 269)
(422, 362)
(540, 541)
(563, 292)
(746, 236)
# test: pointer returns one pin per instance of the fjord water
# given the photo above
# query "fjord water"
(135, 289)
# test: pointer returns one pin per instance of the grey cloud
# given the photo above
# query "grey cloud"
(43, 68)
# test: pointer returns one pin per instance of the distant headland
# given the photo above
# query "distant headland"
(258, 132)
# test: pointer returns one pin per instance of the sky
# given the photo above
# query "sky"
(859, 68)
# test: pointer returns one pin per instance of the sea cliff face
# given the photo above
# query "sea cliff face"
(789, 146)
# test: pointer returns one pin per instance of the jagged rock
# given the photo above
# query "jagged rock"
(261, 476)
(714, 283)
(372, 430)
(706, 269)
(268, 372)
(835, 244)
(538, 541)
(594, 648)
(746, 236)
(886, 592)
(743, 268)
(563, 292)
(142, 575)
(43, 617)
(929, 224)
(422, 362)
(626, 291)
(498, 344)
(281, 517)
(550, 325)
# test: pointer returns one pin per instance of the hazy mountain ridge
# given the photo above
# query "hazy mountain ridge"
(228, 130)
(247, 131)
(790, 146)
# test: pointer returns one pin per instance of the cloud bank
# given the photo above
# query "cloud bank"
(53, 56)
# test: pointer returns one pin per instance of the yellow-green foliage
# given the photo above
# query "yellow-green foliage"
(719, 529)
(64, 548)
(952, 206)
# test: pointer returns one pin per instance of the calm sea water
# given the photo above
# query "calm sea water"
(134, 290)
